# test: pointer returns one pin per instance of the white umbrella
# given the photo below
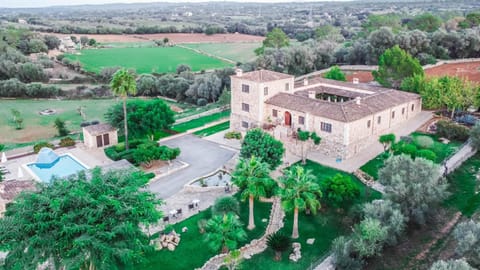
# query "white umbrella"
(20, 172)
(4, 158)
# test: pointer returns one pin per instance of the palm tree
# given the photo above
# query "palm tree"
(251, 176)
(279, 242)
(224, 232)
(299, 192)
(123, 84)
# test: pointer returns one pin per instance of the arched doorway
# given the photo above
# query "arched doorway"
(288, 119)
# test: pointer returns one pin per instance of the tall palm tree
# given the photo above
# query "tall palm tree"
(123, 84)
(299, 192)
(224, 232)
(252, 177)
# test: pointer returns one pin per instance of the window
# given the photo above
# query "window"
(245, 107)
(326, 127)
(393, 114)
(244, 124)
(274, 113)
(245, 88)
(265, 91)
(301, 120)
(403, 111)
(379, 119)
(287, 86)
(369, 123)
(413, 107)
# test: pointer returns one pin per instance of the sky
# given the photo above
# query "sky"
(46, 3)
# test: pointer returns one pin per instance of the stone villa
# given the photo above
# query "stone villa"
(347, 116)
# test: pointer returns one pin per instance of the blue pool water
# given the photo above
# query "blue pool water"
(62, 167)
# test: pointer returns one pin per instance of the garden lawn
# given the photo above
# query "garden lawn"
(192, 252)
(464, 187)
(195, 123)
(237, 52)
(324, 227)
(145, 60)
(442, 151)
(213, 129)
(38, 127)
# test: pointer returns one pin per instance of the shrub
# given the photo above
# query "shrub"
(279, 242)
(85, 124)
(452, 131)
(67, 141)
(120, 147)
(423, 142)
(202, 102)
(40, 145)
(409, 149)
(426, 154)
(111, 153)
(224, 205)
(233, 135)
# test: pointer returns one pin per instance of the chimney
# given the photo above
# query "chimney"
(239, 72)
(305, 81)
(355, 80)
(312, 94)
(357, 100)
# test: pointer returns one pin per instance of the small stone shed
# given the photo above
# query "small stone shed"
(100, 135)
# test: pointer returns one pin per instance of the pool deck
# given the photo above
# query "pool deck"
(90, 157)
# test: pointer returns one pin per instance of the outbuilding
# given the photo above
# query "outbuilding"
(100, 135)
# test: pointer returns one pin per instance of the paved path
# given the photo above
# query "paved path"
(373, 149)
(203, 156)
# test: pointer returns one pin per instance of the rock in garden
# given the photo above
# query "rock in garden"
(310, 241)
(171, 247)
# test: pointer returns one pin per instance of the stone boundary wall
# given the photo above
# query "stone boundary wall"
(456, 61)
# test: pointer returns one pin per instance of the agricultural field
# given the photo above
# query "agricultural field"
(146, 60)
(236, 52)
(467, 70)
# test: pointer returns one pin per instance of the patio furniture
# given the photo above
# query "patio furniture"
(166, 219)
(173, 213)
(196, 202)
(191, 206)
(179, 212)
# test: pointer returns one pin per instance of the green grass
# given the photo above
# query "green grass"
(145, 60)
(324, 227)
(213, 129)
(237, 52)
(40, 127)
(440, 149)
(464, 187)
(195, 123)
(192, 251)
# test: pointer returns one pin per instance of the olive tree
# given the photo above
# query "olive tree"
(416, 185)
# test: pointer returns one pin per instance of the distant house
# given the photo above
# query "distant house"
(347, 116)
(66, 44)
(22, 21)
(100, 135)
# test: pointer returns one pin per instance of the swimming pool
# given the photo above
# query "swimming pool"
(63, 166)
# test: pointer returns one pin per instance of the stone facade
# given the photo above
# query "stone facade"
(259, 100)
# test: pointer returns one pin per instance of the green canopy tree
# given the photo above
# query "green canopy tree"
(81, 223)
(305, 137)
(144, 117)
(299, 192)
(460, 264)
(224, 232)
(387, 141)
(335, 73)
(339, 190)
(274, 39)
(394, 65)
(252, 177)
(123, 84)
(425, 22)
(262, 145)
(416, 185)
